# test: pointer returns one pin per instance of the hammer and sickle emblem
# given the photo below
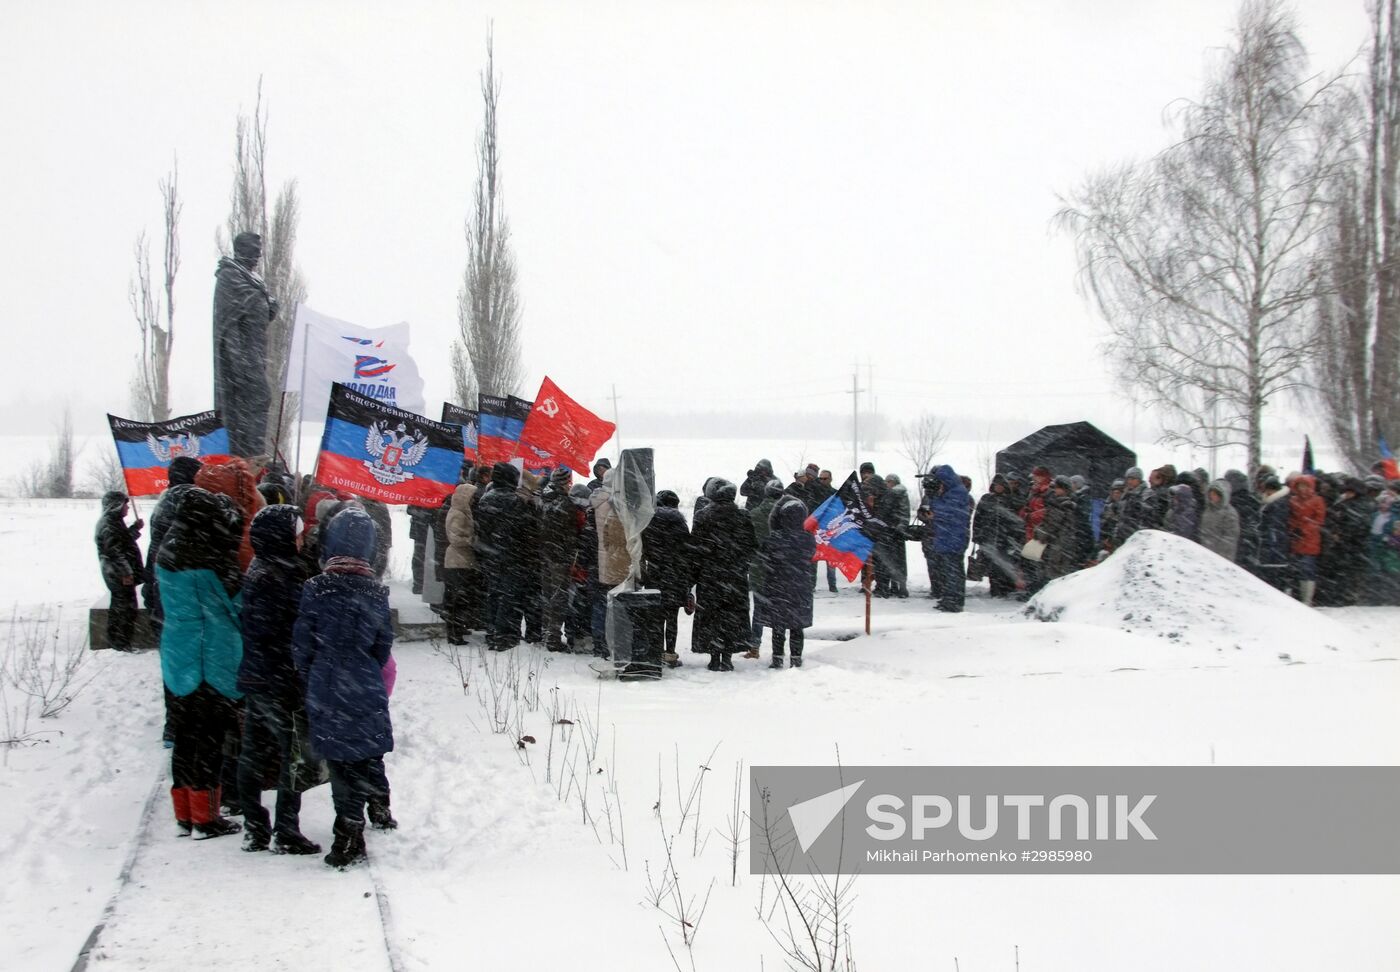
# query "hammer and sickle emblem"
(550, 407)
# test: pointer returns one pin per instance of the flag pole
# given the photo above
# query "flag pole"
(865, 585)
(301, 400)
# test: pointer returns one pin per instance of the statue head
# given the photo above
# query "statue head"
(247, 249)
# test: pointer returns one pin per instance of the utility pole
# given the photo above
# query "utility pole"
(618, 432)
(855, 417)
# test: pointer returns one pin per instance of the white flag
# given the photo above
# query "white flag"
(373, 361)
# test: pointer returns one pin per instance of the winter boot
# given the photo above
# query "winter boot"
(380, 818)
(796, 661)
(204, 813)
(715, 664)
(348, 849)
(777, 662)
(255, 839)
(180, 797)
(726, 661)
(294, 843)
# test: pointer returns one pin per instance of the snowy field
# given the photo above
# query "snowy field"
(542, 857)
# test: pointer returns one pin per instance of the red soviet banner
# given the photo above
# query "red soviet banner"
(562, 430)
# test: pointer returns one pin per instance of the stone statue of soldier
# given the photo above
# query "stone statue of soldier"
(243, 312)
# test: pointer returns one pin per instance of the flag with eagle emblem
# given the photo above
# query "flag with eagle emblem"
(146, 448)
(385, 453)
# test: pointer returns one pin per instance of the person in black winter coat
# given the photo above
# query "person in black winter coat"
(999, 535)
(785, 601)
(1346, 536)
(583, 578)
(1131, 509)
(420, 521)
(267, 678)
(1246, 506)
(561, 523)
(503, 527)
(1275, 537)
(1084, 519)
(755, 481)
(341, 643)
(180, 476)
(119, 556)
(666, 566)
(722, 545)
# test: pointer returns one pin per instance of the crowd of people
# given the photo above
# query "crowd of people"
(275, 629)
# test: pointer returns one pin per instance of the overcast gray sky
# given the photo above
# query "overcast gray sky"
(713, 204)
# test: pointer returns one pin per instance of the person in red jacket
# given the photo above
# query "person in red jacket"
(234, 479)
(1034, 510)
(1307, 511)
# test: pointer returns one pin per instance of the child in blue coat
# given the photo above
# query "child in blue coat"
(341, 644)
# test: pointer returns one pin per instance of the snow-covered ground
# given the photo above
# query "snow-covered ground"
(493, 869)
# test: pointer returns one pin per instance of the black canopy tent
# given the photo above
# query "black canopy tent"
(1076, 449)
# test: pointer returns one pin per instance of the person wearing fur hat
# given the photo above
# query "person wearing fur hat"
(233, 478)
(1275, 538)
(722, 542)
(119, 557)
(341, 644)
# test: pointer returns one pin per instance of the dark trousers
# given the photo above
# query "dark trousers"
(121, 616)
(461, 602)
(946, 569)
(420, 554)
(267, 743)
(598, 614)
(355, 783)
(503, 617)
(780, 638)
(199, 723)
(554, 593)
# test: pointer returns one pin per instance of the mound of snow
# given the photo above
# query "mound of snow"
(1161, 585)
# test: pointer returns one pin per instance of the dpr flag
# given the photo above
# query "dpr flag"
(502, 418)
(385, 453)
(371, 361)
(146, 448)
(469, 420)
(837, 524)
(561, 431)
(1390, 469)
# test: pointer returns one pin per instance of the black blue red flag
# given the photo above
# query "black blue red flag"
(385, 453)
(146, 448)
(469, 420)
(502, 420)
(839, 528)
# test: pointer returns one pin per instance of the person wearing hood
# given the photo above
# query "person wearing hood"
(234, 479)
(784, 600)
(722, 544)
(341, 644)
(461, 579)
(755, 482)
(1306, 515)
(599, 468)
(201, 648)
(1220, 523)
(996, 530)
(1183, 515)
(561, 523)
(1246, 506)
(944, 510)
(119, 557)
(666, 567)
(758, 516)
(243, 313)
(268, 680)
(503, 528)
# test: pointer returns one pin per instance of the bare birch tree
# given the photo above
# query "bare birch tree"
(486, 356)
(248, 212)
(1357, 378)
(152, 384)
(921, 439)
(1203, 259)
